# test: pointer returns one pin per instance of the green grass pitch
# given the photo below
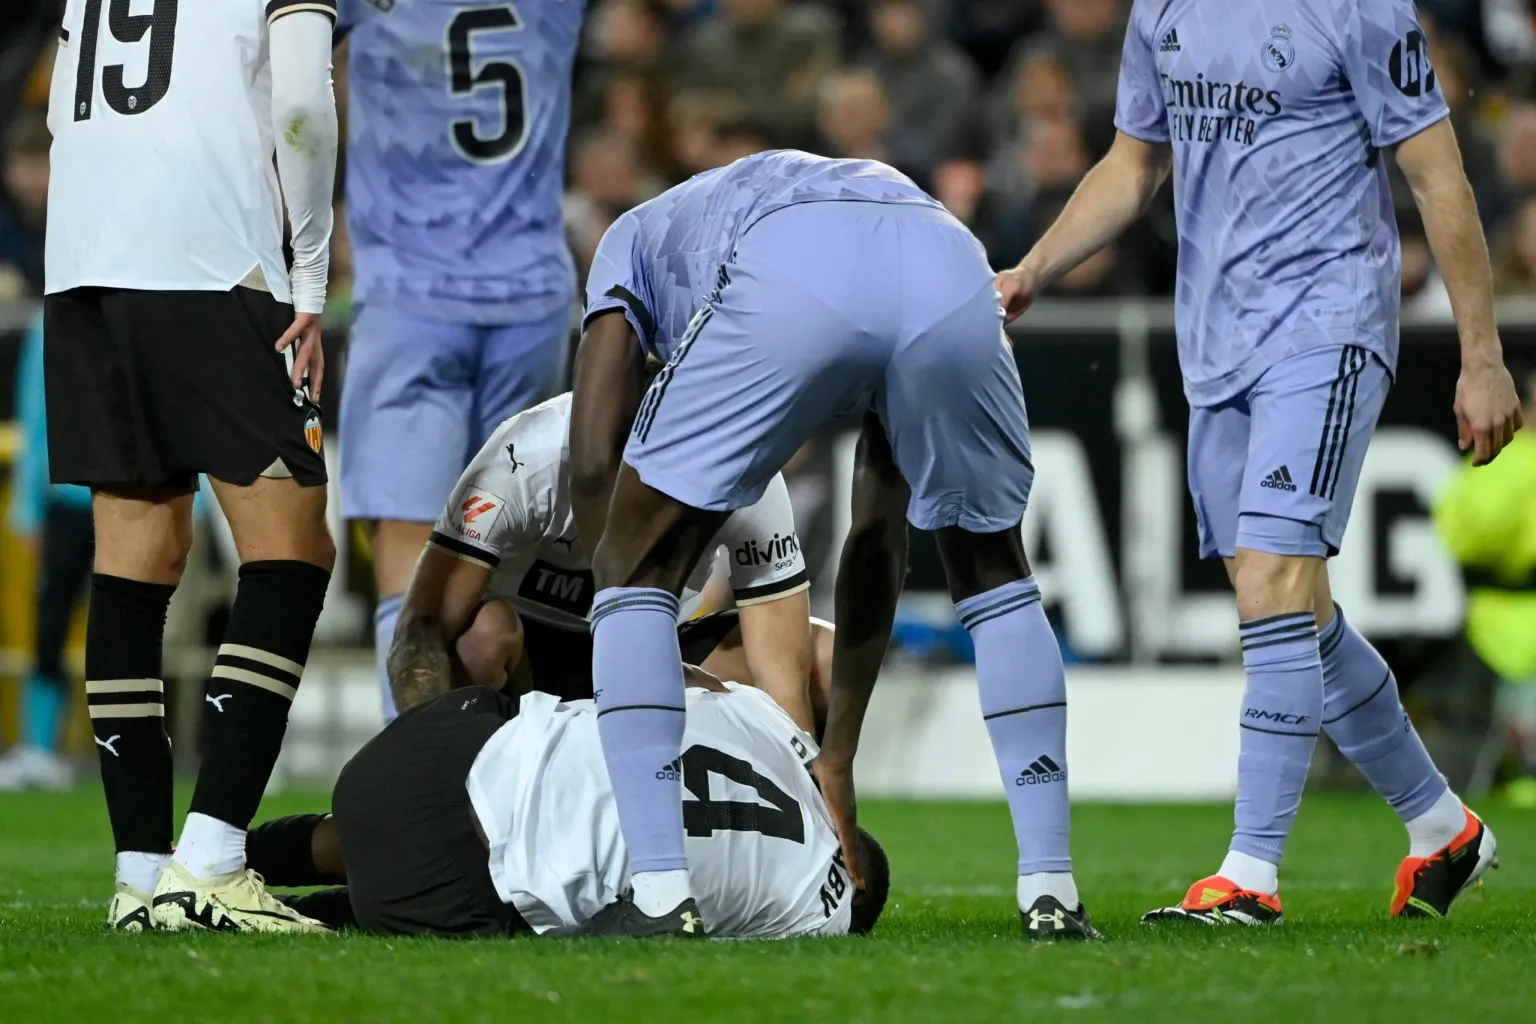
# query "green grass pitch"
(947, 950)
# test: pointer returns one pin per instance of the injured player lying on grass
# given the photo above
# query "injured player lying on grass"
(505, 586)
(474, 815)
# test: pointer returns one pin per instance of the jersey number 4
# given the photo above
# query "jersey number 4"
(159, 25)
(703, 817)
(464, 78)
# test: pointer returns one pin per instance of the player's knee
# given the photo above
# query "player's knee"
(1270, 584)
(975, 563)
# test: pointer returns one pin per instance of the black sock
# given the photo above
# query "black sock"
(281, 851)
(254, 680)
(123, 636)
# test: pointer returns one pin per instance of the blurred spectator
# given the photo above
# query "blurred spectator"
(56, 522)
(1514, 252)
(930, 86)
(606, 179)
(1487, 519)
(988, 29)
(1084, 37)
(24, 206)
(853, 116)
(767, 55)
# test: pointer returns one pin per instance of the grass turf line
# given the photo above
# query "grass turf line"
(947, 950)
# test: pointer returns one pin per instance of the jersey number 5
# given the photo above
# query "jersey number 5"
(703, 817)
(159, 24)
(464, 78)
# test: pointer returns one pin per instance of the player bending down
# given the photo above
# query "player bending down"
(1287, 314)
(783, 291)
(168, 303)
(461, 819)
(506, 584)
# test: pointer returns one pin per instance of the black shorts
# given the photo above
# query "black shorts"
(155, 387)
(561, 659)
(416, 862)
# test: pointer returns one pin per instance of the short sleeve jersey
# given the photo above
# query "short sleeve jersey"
(162, 160)
(657, 263)
(1277, 114)
(511, 513)
(763, 858)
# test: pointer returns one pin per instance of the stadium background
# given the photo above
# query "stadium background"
(998, 107)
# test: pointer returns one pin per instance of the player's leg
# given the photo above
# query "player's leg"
(953, 410)
(143, 531)
(406, 410)
(764, 363)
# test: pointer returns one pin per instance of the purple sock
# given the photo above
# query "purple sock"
(637, 674)
(1364, 716)
(1024, 702)
(1281, 711)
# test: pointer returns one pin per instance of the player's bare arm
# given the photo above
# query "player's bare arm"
(444, 592)
(776, 638)
(869, 581)
(1110, 198)
(1487, 409)
(304, 126)
(606, 389)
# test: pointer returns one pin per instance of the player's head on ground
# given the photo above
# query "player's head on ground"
(869, 902)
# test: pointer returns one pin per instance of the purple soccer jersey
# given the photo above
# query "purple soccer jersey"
(457, 123)
(1277, 114)
(660, 260)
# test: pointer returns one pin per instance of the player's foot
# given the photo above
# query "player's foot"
(1427, 886)
(236, 902)
(34, 768)
(1048, 920)
(622, 919)
(129, 910)
(1217, 900)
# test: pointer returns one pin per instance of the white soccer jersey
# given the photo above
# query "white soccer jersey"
(763, 858)
(162, 154)
(511, 512)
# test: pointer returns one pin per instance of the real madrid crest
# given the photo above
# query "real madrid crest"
(312, 431)
(1278, 53)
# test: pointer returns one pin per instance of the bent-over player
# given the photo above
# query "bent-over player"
(179, 342)
(784, 291)
(506, 585)
(473, 814)
(1276, 123)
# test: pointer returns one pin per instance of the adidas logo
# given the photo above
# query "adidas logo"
(1170, 43)
(1041, 771)
(671, 772)
(1279, 480)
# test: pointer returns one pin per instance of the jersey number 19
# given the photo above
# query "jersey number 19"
(159, 25)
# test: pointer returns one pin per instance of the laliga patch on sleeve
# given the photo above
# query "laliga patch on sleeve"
(475, 514)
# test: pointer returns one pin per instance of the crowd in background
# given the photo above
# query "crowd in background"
(997, 107)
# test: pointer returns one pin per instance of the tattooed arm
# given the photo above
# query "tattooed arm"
(419, 669)
(445, 591)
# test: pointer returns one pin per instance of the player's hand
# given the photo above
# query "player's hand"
(836, 780)
(1487, 409)
(1017, 290)
(308, 355)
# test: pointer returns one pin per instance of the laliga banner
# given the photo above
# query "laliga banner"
(1111, 532)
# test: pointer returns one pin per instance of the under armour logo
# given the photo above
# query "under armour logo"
(512, 454)
(692, 921)
(217, 702)
(108, 745)
(1057, 918)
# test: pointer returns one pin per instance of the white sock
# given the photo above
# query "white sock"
(210, 847)
(141, 871)
(1251, 873)
(1059, 884)
(1437, 826)
(657, 892)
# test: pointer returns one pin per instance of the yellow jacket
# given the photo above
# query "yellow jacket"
(1487, 518)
